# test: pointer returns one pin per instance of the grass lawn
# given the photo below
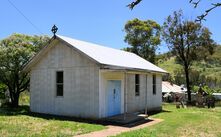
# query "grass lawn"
(191, 122)
(19, 122)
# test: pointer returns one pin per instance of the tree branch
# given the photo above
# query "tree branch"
(195, 3)
(133, 4)
(24, 86)
(203, 16)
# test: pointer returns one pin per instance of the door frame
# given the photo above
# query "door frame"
(104, 76)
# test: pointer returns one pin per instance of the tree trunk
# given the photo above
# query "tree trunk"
(15, 103)
(14, 98)
(187, 83)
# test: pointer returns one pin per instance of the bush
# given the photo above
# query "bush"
(218, 103)
(24, 98)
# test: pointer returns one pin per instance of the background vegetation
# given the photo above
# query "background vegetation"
(207, 72)
(15, 52)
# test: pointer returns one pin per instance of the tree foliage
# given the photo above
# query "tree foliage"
(144, 37)
(188, 41)
(15, 52)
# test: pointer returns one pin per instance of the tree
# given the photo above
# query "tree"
(15, 52)
(186, 40)
(143, 36)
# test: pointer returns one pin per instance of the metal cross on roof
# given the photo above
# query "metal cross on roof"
(54, 29)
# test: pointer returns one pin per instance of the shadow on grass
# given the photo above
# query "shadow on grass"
(157, 112)
(8, 111)
(134, 124)
(103, 122)
(25, 110)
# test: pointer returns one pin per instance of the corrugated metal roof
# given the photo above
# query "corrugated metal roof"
(112, 57)
(167, 87)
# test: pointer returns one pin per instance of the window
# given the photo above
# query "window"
(59, 83)
(137, 85)
(154, 84)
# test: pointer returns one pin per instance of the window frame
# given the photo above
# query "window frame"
(59, 83)
(137, 85)
(154, 86)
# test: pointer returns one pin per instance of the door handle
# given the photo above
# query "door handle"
(114, 93)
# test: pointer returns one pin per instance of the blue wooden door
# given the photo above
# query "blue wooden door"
(114, 97)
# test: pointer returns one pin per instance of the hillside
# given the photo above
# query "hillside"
(207, 71)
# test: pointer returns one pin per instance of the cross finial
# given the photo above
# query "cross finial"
(54, 29)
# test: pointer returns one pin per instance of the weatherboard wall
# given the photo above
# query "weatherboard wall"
(155, 100)
(81, 84)
(138, 103)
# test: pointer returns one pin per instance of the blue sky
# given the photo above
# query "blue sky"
(97, 21)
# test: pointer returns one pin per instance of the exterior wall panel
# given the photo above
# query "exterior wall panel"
(138, 103)
(81, 86)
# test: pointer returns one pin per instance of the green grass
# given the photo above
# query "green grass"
(190, 122)
(177, 122)
(20, 122)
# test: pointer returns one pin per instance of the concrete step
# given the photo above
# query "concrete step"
(127, 119)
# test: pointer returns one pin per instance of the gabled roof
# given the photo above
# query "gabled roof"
(109, 56)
